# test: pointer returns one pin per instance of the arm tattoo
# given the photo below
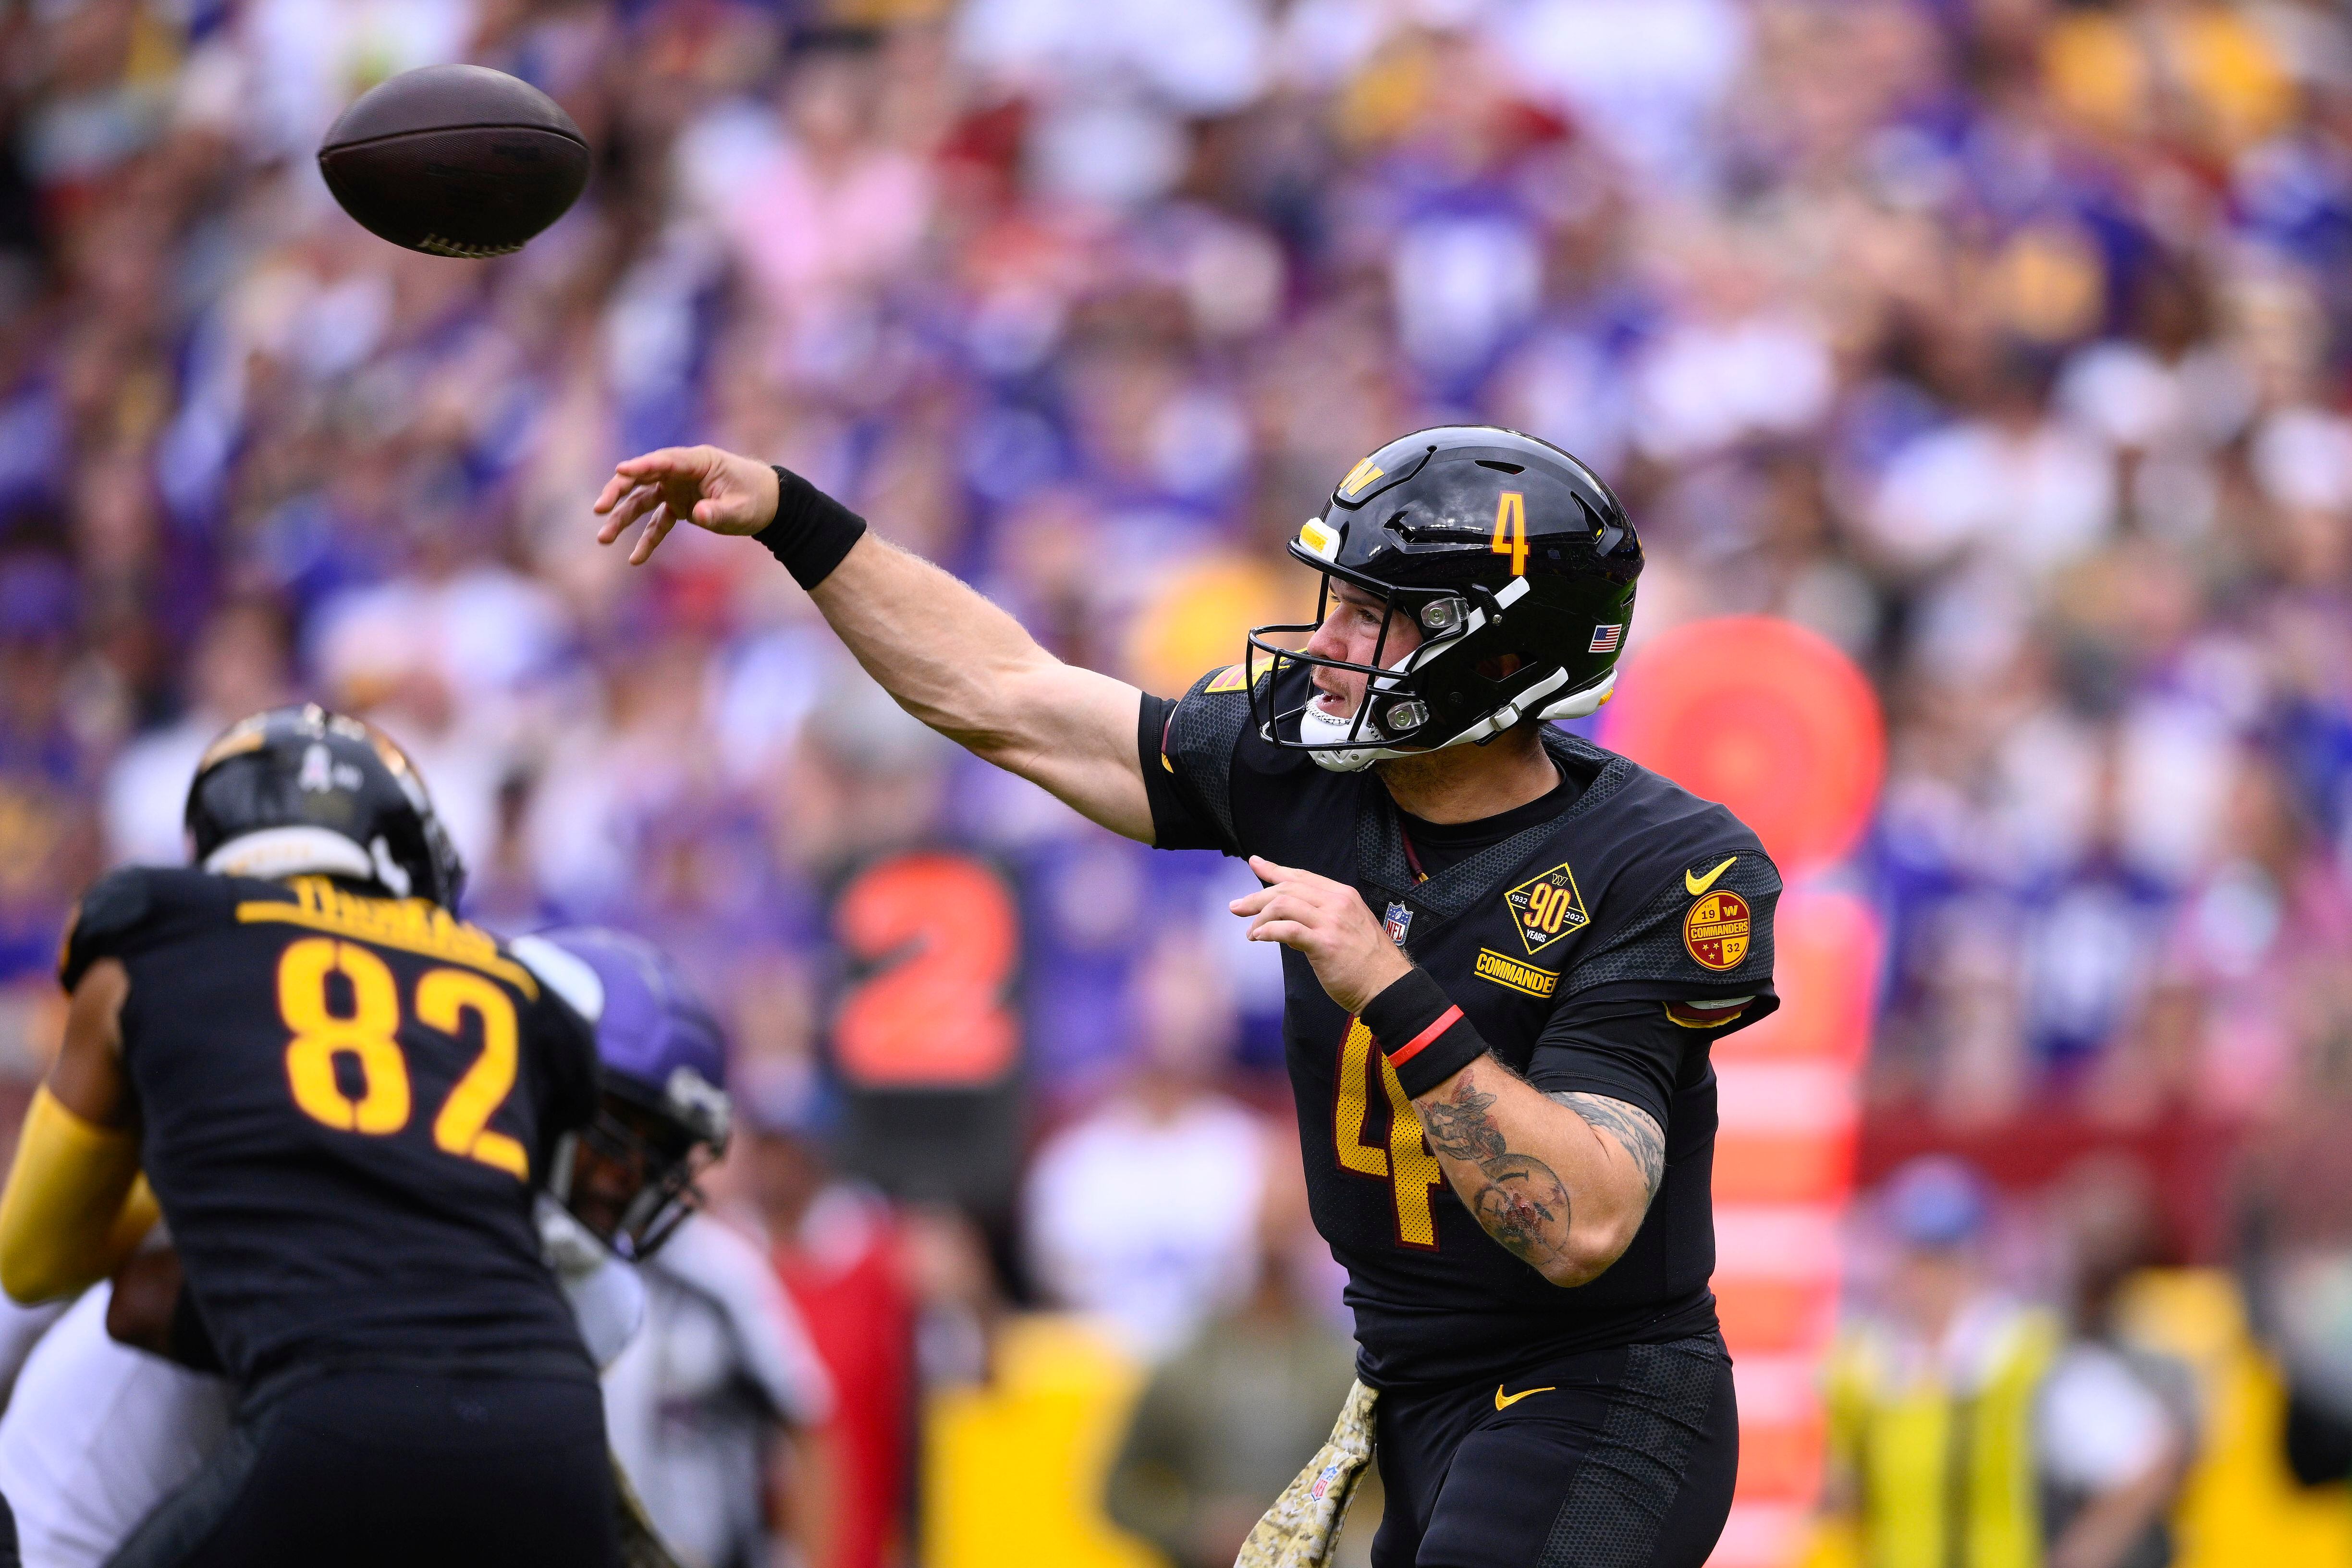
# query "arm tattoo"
(1459, 1127)
(1521, 1204)
(1635, 1130)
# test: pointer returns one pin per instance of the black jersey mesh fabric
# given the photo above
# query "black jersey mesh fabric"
(1209, 726)
(1380, 844)
(1617, 1504)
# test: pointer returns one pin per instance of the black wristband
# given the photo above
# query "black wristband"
(812, 531)
(1424, 1035)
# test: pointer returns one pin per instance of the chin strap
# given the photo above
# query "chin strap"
(1530, 703)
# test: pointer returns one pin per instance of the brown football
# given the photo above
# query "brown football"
(455, 160)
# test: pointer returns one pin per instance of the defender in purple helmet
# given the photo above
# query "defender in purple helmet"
(629, 1175)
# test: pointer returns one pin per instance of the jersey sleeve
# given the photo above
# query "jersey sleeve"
(107, 922)
(1186, 750)
(1697, 944)
(1624, 1047)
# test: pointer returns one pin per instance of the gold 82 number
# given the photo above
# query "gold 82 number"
(366, 1035)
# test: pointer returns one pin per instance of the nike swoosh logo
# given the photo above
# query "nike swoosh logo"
(1503, 1401)
(1698, 885)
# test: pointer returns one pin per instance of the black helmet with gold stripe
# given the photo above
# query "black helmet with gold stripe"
(1512, 562)
(302, 790)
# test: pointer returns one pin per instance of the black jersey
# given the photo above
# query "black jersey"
(346, 1101)
(1600, 948)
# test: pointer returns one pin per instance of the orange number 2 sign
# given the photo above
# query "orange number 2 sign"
(945, 933)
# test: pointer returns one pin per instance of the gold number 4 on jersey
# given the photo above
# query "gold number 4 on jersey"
(444, 997)
(1412, 1171)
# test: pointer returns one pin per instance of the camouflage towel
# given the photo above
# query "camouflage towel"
(1297, 1532)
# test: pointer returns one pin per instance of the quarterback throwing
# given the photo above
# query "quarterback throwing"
(1508, 953)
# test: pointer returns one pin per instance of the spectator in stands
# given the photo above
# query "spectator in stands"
(2101, 1491)
(237, 667)
(2295, 1265)
(1146, 1211)
(1228, 1419)
(836, 1247)
(1955, 1408)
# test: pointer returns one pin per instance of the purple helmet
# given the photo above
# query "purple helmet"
(629, 1175)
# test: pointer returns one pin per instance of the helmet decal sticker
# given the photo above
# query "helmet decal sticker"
(1511, 530)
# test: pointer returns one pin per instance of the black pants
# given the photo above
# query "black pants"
(398, 1469)
(1616, 1458)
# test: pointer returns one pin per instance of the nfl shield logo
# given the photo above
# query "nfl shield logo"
(1399, 921)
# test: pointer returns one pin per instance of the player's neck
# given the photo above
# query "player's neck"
(1464, 783)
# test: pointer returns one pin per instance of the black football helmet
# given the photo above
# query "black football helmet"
(1514, 560)
(301, 789)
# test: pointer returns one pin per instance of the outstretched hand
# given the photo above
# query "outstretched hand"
(1331, 923)
(719, 490)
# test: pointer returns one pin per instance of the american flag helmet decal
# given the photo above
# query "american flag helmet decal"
(1605, 638)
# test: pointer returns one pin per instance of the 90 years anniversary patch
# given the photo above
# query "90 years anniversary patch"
(1716, 930)
(1547, 907)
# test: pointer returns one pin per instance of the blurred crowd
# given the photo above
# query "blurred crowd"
(2002, 341)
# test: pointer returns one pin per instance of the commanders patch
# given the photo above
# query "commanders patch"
(1716, 930)
(1510, 972)
(1233, 677)
(1547, 907)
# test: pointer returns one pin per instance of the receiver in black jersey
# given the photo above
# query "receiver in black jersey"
(344, 1100)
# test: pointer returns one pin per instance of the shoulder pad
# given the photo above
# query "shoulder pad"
(116, 905)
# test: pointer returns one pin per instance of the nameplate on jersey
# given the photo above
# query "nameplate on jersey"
(1536, 983)
(412, 925)
(1547, 907)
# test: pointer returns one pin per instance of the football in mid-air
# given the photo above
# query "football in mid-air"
(455, 160)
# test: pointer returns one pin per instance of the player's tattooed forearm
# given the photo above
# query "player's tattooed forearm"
(1632, 1126)
(1517, 1199)
(1459, 1127)
(1524, 1206)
